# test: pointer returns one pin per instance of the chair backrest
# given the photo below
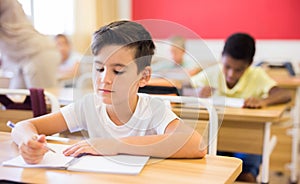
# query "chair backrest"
(54, 104)
(282, 68)
(84, 81)
(203, 103)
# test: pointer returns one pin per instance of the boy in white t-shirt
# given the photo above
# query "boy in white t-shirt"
(118, 120)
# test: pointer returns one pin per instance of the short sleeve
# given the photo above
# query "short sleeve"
(168, 117)
(265, 80)
(74, 115)
(161, 115)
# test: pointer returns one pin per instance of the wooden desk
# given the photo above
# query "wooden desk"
(211, 169)
(165, 82)
(243, 130)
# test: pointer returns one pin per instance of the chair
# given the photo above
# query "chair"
(200, 103)
(166, 90)
(278, 68)
(20, 104)
(162, 86)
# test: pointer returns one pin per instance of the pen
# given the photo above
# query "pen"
(12, 125)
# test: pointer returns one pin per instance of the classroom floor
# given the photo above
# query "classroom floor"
(276, 178)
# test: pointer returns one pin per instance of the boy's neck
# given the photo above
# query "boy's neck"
(120, 114)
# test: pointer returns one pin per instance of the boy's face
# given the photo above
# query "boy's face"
(115, 75)
(177, 54)
(233, 69)
(63, 47)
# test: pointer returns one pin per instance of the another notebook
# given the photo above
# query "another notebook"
(119, 164)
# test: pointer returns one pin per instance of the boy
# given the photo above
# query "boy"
(69, 58)
(178, 51)
(238, 79)
(118, 120)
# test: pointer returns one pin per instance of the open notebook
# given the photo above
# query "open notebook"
(227, 101)
(119, 164)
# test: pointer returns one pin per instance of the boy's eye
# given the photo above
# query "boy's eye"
(119, 72)
(100, 69)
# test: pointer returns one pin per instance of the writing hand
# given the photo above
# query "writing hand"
(33, 150)
(206, 92)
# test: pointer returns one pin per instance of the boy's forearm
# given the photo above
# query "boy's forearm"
(179, 145)
(278, 98)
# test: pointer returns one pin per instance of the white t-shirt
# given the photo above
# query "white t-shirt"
(151, 117)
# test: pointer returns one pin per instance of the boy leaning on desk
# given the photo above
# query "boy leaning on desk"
(235, 77)
(118, 120)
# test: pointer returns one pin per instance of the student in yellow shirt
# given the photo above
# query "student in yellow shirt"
(117, 119)
(235, 77)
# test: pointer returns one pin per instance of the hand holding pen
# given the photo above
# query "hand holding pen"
(38, 138)
(206, 92)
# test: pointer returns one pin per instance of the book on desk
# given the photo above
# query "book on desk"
(118, 164)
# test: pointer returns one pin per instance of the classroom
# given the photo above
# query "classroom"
(215, 99)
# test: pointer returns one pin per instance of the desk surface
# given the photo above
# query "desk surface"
(211, 169)
(267, 114)
(240, 129)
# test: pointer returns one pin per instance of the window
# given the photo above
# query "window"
(50, 17)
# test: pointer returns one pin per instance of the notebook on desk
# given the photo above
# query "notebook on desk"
(227, 101)
(220, 101)
(119, 164)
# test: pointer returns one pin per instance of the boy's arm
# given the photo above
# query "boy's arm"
(47, 125)
(276, 96)
(27, 135)
(179, 141)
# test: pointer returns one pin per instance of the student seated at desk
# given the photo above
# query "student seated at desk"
(69, 58)
(179, 61)
(118, 120)
(236, 78)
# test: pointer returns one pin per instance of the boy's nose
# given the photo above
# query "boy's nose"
(106, 77)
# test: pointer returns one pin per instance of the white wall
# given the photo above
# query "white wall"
(209, 51)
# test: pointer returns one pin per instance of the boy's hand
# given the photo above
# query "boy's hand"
(33, 150)
(254, 103)
(95, 146)
(205, 92)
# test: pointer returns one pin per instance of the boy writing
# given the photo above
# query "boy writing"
(118, 120)
(236, 78)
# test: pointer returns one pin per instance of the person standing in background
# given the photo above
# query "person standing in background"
(31, 56)
(70, 59)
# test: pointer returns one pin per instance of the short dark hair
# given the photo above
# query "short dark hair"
(240, 46)
(62, 36)
(128, 34)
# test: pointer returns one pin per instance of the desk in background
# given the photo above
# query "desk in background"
(243, 130)
(290, 142)
(211, 169)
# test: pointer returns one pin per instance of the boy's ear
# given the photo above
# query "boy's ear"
(146, 75)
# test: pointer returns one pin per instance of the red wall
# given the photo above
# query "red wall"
(264, 19)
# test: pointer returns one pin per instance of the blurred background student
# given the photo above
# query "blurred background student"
(31, 56)
(180, 66)
(70, 59)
